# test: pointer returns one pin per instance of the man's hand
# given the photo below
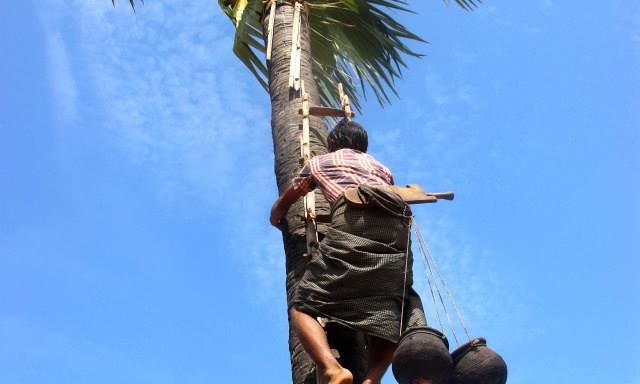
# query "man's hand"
(277, 218)
(281, 207)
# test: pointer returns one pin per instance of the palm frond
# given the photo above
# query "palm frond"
(248, 40)
(131, 2)
(363, 44)
(468, 4)
(356, 42)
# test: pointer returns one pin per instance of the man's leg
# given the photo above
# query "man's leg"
(315, 343)
(379, 360)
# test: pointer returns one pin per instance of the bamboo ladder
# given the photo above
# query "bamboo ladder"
(307, 110)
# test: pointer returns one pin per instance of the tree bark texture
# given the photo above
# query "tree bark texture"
(286, 125)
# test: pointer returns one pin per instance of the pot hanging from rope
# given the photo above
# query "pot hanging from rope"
(475, 363)
(422, 352)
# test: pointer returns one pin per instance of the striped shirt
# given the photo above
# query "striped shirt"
(334, 172)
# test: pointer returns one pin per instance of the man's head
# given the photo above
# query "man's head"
(348, 134)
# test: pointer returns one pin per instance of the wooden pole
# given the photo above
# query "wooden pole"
(309, 198)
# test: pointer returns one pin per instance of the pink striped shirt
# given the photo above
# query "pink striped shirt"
(334, 172)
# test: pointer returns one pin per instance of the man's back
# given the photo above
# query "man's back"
(336, 171)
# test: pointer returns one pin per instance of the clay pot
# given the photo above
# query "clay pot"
(422, 352)
(475, 363)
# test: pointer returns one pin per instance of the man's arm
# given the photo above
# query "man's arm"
(282, 205)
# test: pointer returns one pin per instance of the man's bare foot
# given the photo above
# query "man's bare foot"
(336, 376)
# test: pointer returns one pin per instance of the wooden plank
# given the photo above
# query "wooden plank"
(412, 194)
(326, 112)
(344, 100)
(306, 145)
(309, 200)
(272, 17)
(442, 195)
(298, 63)
(294, 70)
(341, 91)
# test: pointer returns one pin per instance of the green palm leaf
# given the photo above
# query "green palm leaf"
(356, 42)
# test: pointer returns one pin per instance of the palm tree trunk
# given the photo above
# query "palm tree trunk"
(286, 126)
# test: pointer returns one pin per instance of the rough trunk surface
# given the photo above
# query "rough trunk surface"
(286, 125)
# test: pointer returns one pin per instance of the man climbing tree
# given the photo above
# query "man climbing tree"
(361, 277)
(353, 42)
(323, 43)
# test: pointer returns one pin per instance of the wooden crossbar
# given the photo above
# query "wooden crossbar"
(322, 111)
(411, 194)
(326, 112)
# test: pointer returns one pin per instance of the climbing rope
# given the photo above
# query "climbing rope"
(430, 282)
(429, 260)
(406, 269)
(431, 277)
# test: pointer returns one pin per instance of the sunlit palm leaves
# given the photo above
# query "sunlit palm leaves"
(248, 42)
(355, 42)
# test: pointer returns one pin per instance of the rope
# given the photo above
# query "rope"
(430, 279)
(406, 268)
(431, 276)
(427, 255)
(427, 261)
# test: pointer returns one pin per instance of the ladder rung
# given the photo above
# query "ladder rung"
(326, 111)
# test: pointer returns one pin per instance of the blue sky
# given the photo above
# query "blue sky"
(136, 178)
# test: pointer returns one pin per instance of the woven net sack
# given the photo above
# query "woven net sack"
(475, 363)
(422, 352)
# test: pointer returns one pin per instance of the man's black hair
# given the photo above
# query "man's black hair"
(348, 134)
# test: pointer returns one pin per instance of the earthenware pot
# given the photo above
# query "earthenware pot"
(475, 363)
(422, 352)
